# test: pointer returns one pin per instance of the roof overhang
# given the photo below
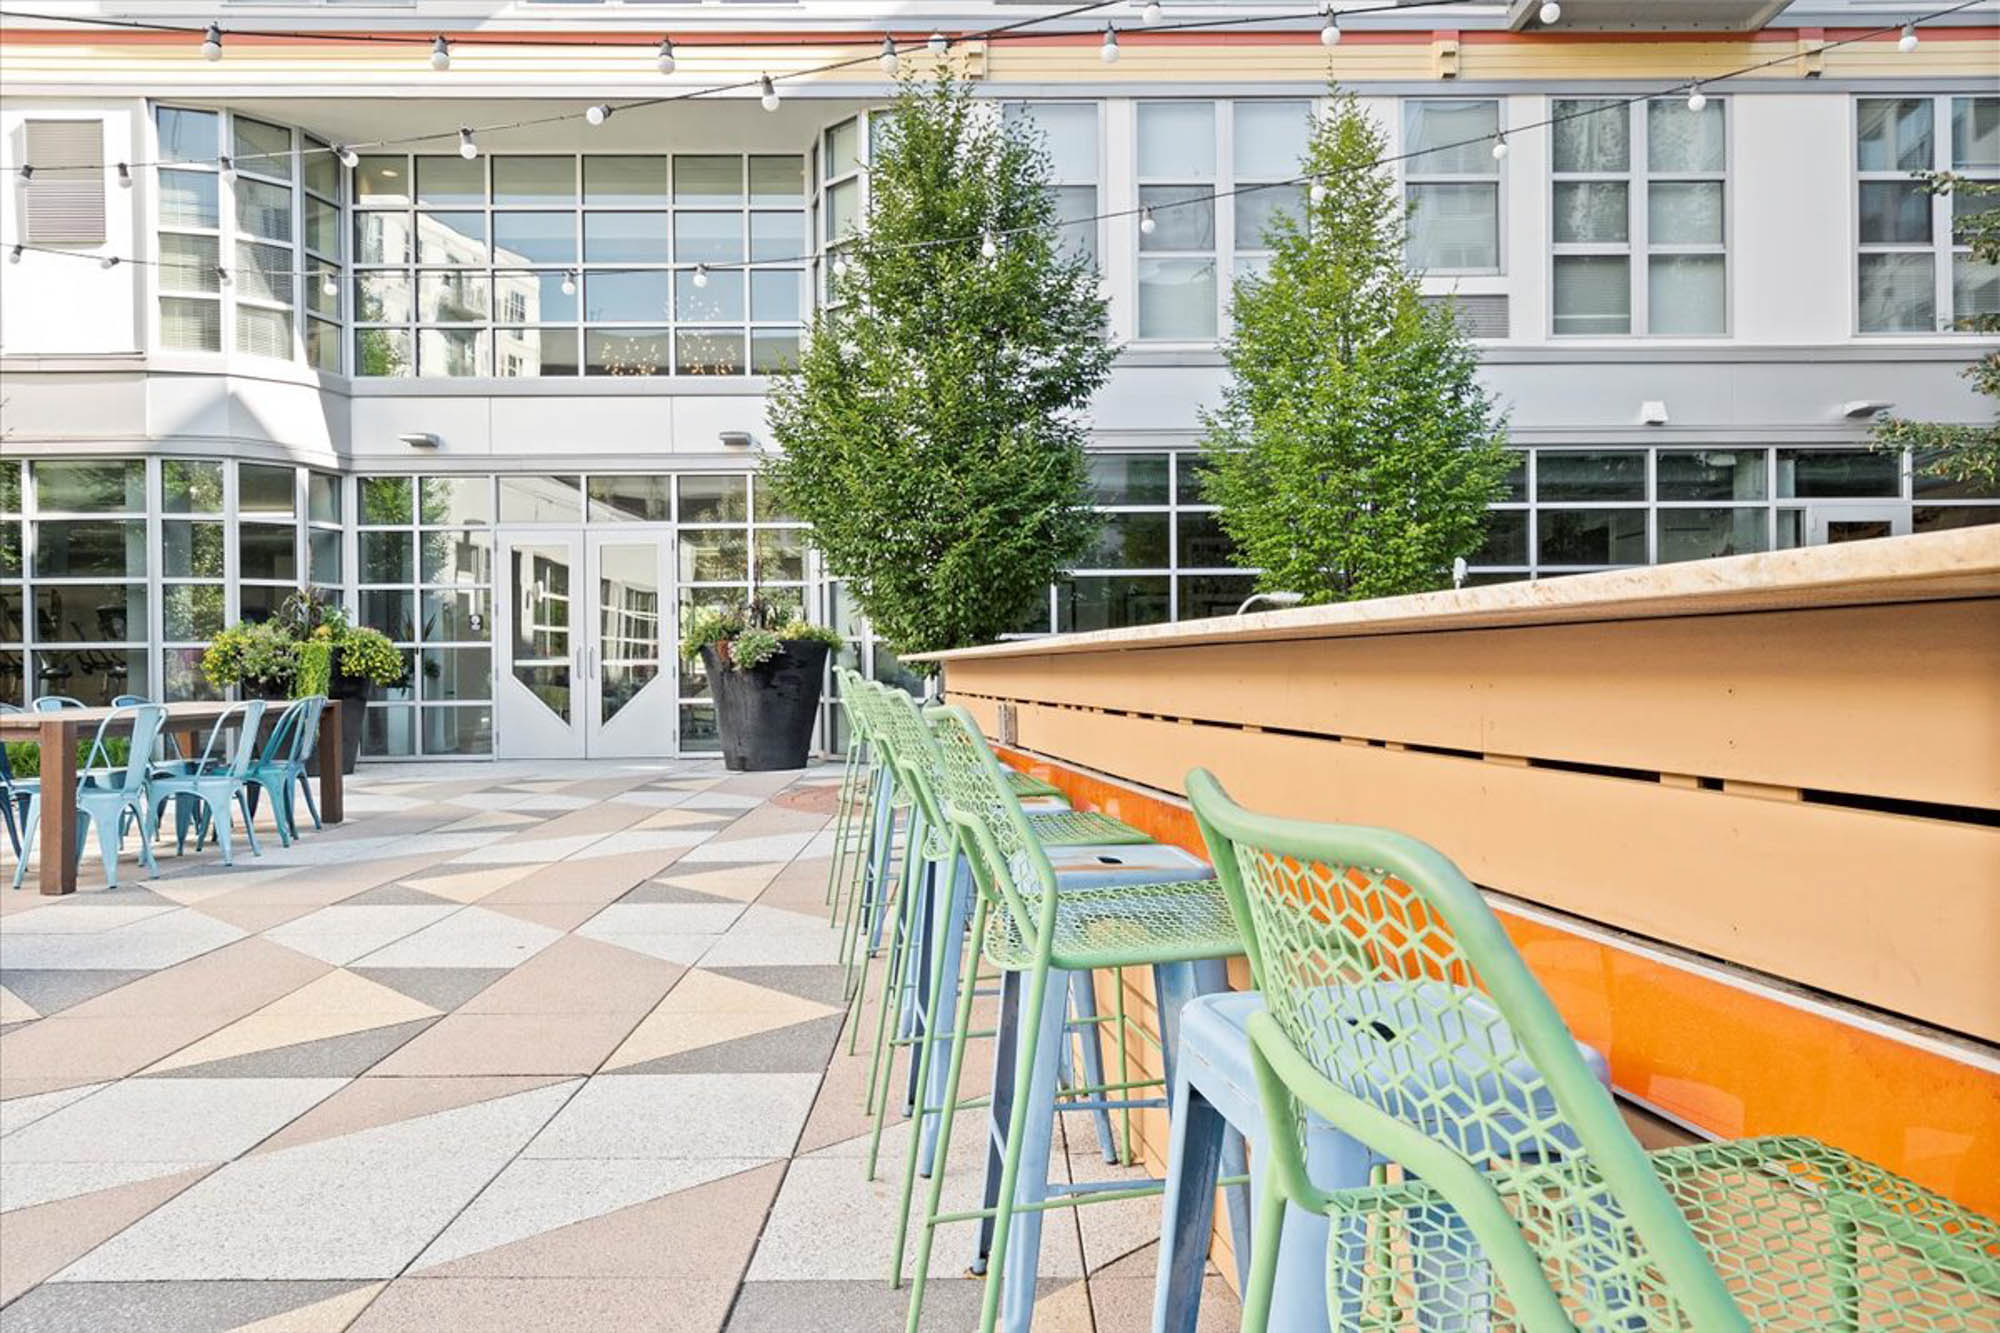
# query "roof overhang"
(1648, 15)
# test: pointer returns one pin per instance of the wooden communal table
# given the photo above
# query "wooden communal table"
(58, 734)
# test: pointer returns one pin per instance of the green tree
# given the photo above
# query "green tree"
(933, 433)
(1355, 451)
(1966, 454)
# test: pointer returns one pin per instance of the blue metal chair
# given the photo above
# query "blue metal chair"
(283, 763)
(15, 793)
(210, 784)
(55, 703)
(106, 794)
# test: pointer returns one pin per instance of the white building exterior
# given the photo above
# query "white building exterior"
(489, 402)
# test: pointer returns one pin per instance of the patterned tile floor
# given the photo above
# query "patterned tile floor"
(550, 1046)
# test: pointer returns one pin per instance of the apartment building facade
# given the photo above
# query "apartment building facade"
(376, 300)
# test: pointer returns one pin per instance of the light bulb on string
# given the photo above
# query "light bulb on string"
(27, 171)
(227, 165)
(211, 42)
(348, 157)
(701, 275)
(1551, 13)
(569, 282)
(1908, 41)
(1697, 99)
(108, 262)
(1146, 223)
(1318, 192)
(598, 114)
(440, 53)
(1329, 33)
(938, 43)
(14, 255)
(840, 267)
(1500, 145)
(467, 149)
(769, 91)
(328, 284)
(989, 248)
(1108, 52)
(124, 175)
(889, 59)
(666, 57)
(1151, 13)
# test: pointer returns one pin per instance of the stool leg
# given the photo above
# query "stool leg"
(1030, 1141)
(1000, 1111)
(927, 1061)
(1187, 1212)
(1083, 1003)
(927, 980)
(951, 950)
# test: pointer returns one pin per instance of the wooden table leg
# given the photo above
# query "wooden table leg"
(332, 803)
(58, 831)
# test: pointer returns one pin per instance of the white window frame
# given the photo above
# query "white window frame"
(1943, 246)
(1414, 175)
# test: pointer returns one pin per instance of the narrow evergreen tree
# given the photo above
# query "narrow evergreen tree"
(933, 435)
(1355, 451)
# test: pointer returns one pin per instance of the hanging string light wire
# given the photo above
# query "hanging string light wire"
(859, 244)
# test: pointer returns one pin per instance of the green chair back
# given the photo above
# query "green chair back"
(997, 835)
(1398, 1009)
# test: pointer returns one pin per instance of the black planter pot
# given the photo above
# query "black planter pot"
(766, 714)
(353, 693)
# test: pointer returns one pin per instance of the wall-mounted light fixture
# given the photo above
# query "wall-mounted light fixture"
(418, 439)
(1864, 409)
(736, 439)
(1653, 412)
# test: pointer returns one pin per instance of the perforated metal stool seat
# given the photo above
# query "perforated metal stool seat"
(1126, 925)
(1024, 785)
(1215, 1087)
(1070, 828)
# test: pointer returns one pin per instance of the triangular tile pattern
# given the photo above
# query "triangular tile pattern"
(336, 1004)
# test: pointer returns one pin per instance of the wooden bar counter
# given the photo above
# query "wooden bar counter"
(1742, 815)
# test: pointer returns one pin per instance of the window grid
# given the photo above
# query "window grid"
(1070, 134)
(1454, 193)
(1912, 275)
(840, 194)
(1638, 218)
(557, 265)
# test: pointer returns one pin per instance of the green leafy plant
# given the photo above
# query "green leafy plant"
(933, 433)
(256, 652)
(301, 648)
(1355, 451)
(367, 654)
(749, 635)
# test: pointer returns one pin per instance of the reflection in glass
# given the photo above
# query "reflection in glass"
(781, 555)
(192, 610)
(457, 615)
(90, 612)
(1698, 534)
(389, 610)
(1576, 474)
(625, 352)
(532, 499)
(623, 180)
(1111, 602)
(90, 488)
(714, 556)
(716, 498)
(457, 557)
(646, 499)
(94, 675)
(702, 353)
(1592, 536)
(385, 500)
(267, 551)
(86, 548)
(386, 557)
(461, 730)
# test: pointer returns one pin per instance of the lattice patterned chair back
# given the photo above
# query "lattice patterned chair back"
(998, 837)
(914, 753)
(1398, 1009)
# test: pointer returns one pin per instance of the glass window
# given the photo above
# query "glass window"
(1129, 479)
(261, 489)
(1592, 536)
(1711, 474)
(1838, 474)
(1915, 274)
(540, 499)
(449, 501)
(718, 498)
(1699, 534)
(1452, 181)
(90, 488)
(1580, 475)
(539, 181)
(646, 499)
(1177, 174)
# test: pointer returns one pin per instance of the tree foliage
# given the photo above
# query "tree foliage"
(1355, 451)
(933, 434)
(1967, 454)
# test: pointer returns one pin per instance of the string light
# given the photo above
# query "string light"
(348, 157)
(1146, 223)
(598, 114)
(666, 57)
(1329, 33)
(14, 255)
(27, 171)
(569, 282)
(440, 53)
(124, 175)
(467, 149)
(769, 91)
(840, 266)
(211, 42)
(1697, 99)
(1318, 192)
(938, 43)
(1500, 145)
(701, 275)
(227, 165)
(329, 285)
(1151, 13)
(1908, 41)
(108, 262)
(888, 59)
(989, 248)
(1108, 52)
(222, 274)
(1551, 13)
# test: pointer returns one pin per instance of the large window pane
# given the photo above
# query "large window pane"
(1711, 474)
(626, 352)
(646, 499)
(386, 500)
(456, 557)
(1448, 136)
(454, 297)
(1679, 139)
(697, 353)
(90, 612)
(1687, 294)
(264, 149)
(777, 235)
(708, 238)
(189, 486)
(718, 300)
(1591, 212)
(187, 136)
(1838, 474)
(192, 550)
(778, 180)
(534, 180)
(90, 548)
(625, 238)
(451, 181)
(719, 555)
(451, 238)
(541, 499)
(189, 199)
(452, 353)
(1975, 290)
(534, 238)
(90, 488)
(524, 352)
(714, 499)
(264, 210)
(1591, 134)
(1183, 217)
(1200, 543)
(1593, 294)
(1068, 131)
(1895, 212)
(382, 181)
(1578, 475)
(1177, 141)
(1897, 295)
(449, 501)
(628, 298)
(1128, 541)
(387, 557)
(708, 181)
(621, 181)
(1699, 534)
(1177, 298)
(1205, 595)
(1129, 479)
(1112, 601)
(1270, 138)
(1684, 212)
(1592, 536)
(1893, 133)
(1454, 226)
(267, 551)
(1257, 212)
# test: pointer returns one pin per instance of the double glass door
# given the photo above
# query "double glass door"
(587, 645)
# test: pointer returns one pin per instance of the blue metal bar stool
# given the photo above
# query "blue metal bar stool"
(213, 783)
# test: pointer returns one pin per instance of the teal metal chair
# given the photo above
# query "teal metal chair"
(206, 789)
(283, 764)
(1036, 934)
(1397, 1009)
(15, 793)
(107, 794)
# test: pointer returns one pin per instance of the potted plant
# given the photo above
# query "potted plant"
(308, 648)
(765, 677)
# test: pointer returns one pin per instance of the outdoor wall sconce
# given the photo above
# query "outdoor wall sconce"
(419, 440)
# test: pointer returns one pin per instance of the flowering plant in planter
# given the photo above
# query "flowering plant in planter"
(765, 675)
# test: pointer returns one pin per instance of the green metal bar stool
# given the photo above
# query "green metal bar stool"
(1397, 1009)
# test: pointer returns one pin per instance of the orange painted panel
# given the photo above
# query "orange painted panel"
(1729, 1060)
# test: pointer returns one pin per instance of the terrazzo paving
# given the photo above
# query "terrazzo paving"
(551, 1046)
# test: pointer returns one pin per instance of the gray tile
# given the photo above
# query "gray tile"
(346, 1056)
(802, 1048)
(159, 1120)
(682, 1115)
(652, 891)
(950, 1306)
(397, 895)
(160, 940)
(442, 988)
(182, 1307)
(823, 983)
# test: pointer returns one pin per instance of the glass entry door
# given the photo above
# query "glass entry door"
(630, 656)
(586, 635)
(1854, 523)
